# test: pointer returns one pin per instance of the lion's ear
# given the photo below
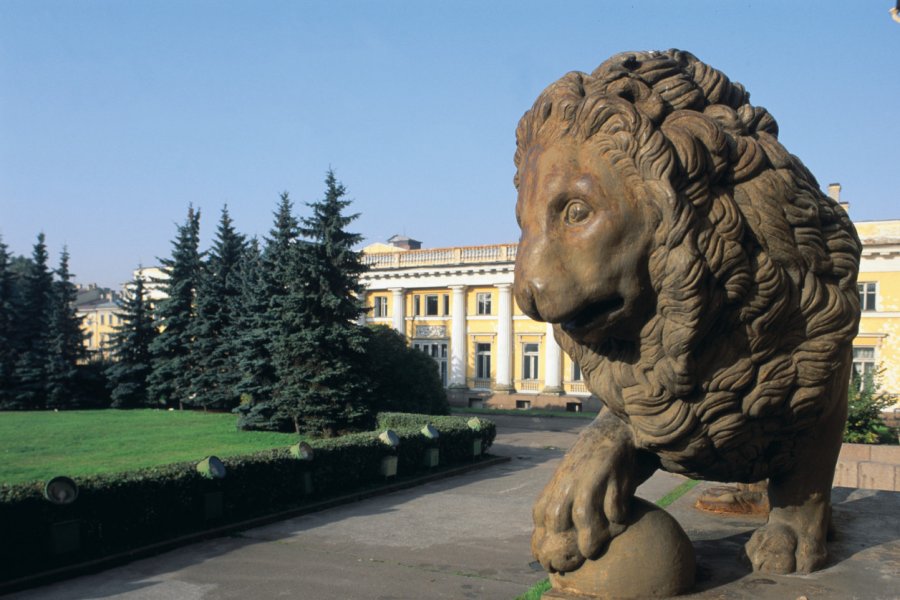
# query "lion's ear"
(641, 95)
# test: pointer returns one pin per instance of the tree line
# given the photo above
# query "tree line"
(41, 342)
(268, 330)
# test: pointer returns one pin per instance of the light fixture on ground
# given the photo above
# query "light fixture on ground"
(389, 463)
(476, 425)
(432, 454)
(304, 452)
(211, 468)
(61, 490)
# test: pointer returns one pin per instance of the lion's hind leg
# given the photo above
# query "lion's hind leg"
(794, 538)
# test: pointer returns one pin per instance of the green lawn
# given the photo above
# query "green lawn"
(40, 445)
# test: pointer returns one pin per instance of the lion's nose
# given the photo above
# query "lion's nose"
(527, 292)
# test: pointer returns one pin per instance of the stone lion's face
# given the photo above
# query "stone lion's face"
(585, 243)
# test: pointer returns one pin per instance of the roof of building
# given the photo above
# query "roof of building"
(878, 232)
(396, 238)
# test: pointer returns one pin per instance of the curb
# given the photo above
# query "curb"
(106, 562)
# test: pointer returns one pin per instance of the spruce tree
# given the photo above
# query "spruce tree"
(8, 342)
(173, 359)
(257, 374)
(33, 332)
(320, 351)
(265, 282)
(130, 349)
(214, 330)
(66, 340)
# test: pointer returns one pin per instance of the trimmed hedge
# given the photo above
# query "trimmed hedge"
(118, 512)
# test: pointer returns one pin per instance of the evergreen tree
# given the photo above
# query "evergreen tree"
(130, 349)
(33, 311)
(173, 359)
(265, 282)
(320, 351)
(254, 358)
(8, 342)
(66, 340)
(214, 330)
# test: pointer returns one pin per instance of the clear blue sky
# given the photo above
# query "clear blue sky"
(114, 116)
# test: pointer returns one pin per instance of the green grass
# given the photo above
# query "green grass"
(677, 493)
(535, 592)
(519, 412)
(41, 445)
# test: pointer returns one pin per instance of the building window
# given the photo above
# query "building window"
(530, 353)
(484, 303)
(482, 361)
(438, 352)
(436, 305)
(380, 307)
(866, 295)
(103, 319)
(863, 362)
(431, 305)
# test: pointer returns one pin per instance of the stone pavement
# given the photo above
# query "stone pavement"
(468, 537)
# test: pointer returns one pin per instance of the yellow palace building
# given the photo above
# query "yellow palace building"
(878, 344)
(456, 305)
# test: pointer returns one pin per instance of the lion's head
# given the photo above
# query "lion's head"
(690, 263)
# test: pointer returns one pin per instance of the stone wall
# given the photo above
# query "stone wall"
(874, 467)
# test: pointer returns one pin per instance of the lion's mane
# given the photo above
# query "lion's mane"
(753, 268)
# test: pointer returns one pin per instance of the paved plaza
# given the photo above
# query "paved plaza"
(468, 537)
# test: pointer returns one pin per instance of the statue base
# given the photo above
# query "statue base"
(652, 558)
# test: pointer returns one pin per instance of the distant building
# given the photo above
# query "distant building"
(154, 282)
(878, 342)
(97, 308)
(456, 305)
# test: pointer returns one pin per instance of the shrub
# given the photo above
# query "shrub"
(403, 378)
(456, 437)
(118, 512)
(866, 401)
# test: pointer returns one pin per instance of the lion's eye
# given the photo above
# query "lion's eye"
(577, 212)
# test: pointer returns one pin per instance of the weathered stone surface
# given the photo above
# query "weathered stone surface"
(652, 537)
(707, 288)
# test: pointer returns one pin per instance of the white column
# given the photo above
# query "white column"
(504, 339)
(552, 364)
(398, 302)
(458, 341)
(364, 315)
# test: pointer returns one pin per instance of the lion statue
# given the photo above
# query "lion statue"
(706, 287)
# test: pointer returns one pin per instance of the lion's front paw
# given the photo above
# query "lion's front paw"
(583, 506)
(778, 548)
